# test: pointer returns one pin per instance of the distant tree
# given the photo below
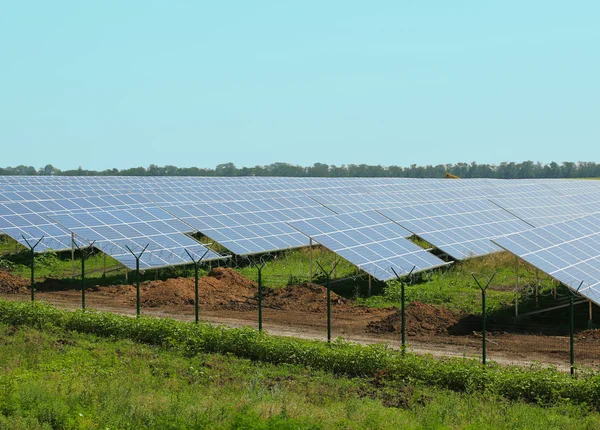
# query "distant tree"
(319, 170)
(48, 170)
(505, 170)
(226, 169)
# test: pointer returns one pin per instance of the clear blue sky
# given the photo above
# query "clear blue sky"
(106, 84)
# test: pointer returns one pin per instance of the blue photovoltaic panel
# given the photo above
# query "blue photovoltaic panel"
(462, 229)
(115, 231)
(250, 227)
(371, 242)
(24, 221)
(541, 211)
(568, 251)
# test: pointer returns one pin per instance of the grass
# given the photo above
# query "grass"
(455, 288)
(293, 267)
(53, 378)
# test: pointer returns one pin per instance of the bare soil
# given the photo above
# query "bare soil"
(226, 297)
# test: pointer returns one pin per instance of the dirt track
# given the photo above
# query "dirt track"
(225, 297)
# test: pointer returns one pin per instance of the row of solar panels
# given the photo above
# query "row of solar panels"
(373, 241)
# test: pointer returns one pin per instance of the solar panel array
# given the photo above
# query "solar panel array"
(461, 229)
(371, 242)
(251, 227)
(250, 214)
(568, 251)
(122, 233)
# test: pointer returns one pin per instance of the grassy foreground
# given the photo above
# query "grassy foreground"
(53, 378)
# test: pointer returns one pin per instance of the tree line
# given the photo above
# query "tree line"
(504, 170)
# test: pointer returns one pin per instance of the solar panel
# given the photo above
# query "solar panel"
(460, 229)
(250, 227)
(541, 211)
(371, 242)
(568, 251)
(24, 222)
(152, 229)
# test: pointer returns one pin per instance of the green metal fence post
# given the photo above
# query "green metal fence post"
(196, 294)
(328, 286)
(484, 326)
(137, 287)
(260, 323)
(32, 275)
(137, 279)
(484, 317)
(328, 310)
(82, 282)
(572, 327)
(403, 315)
(259, 268)
(85, 253)
(402, 307)
(32, 248)
(572, 333)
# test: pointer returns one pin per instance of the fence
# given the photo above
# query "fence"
(528, 319)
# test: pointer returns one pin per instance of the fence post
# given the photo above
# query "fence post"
(260, 322)
(327, 279)
(260, 292)
(137, 279)
(32, 248)
(85, 253)
(484, 316)
(572, 327)
(402, 308)
(196, 296)
(572, 330)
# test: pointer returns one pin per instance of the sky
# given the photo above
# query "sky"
(195, 83)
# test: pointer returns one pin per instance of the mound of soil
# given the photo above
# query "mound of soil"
(303, 297)
(421, 319)
(222, 288)
(13, 284)
(589, 335)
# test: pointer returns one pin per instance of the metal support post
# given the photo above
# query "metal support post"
(328, 286)
(517, 288)
(572, 327)
(590, 319)
(484, 315)
(196, 295)
(137, 287)
(73, 255)
(310, 250)
(137, 279)
(537, 288)
(403, 306)
(32, 248)
(82, 282)
(259, 268)
(369, 294)
(572, 334)
(85, 253)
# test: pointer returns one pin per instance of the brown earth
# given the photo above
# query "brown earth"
(222, 288)
(421, 318)
(12, 284)
(305, 297)
(226, 297)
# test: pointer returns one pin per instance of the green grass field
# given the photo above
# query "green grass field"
(66, 380)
